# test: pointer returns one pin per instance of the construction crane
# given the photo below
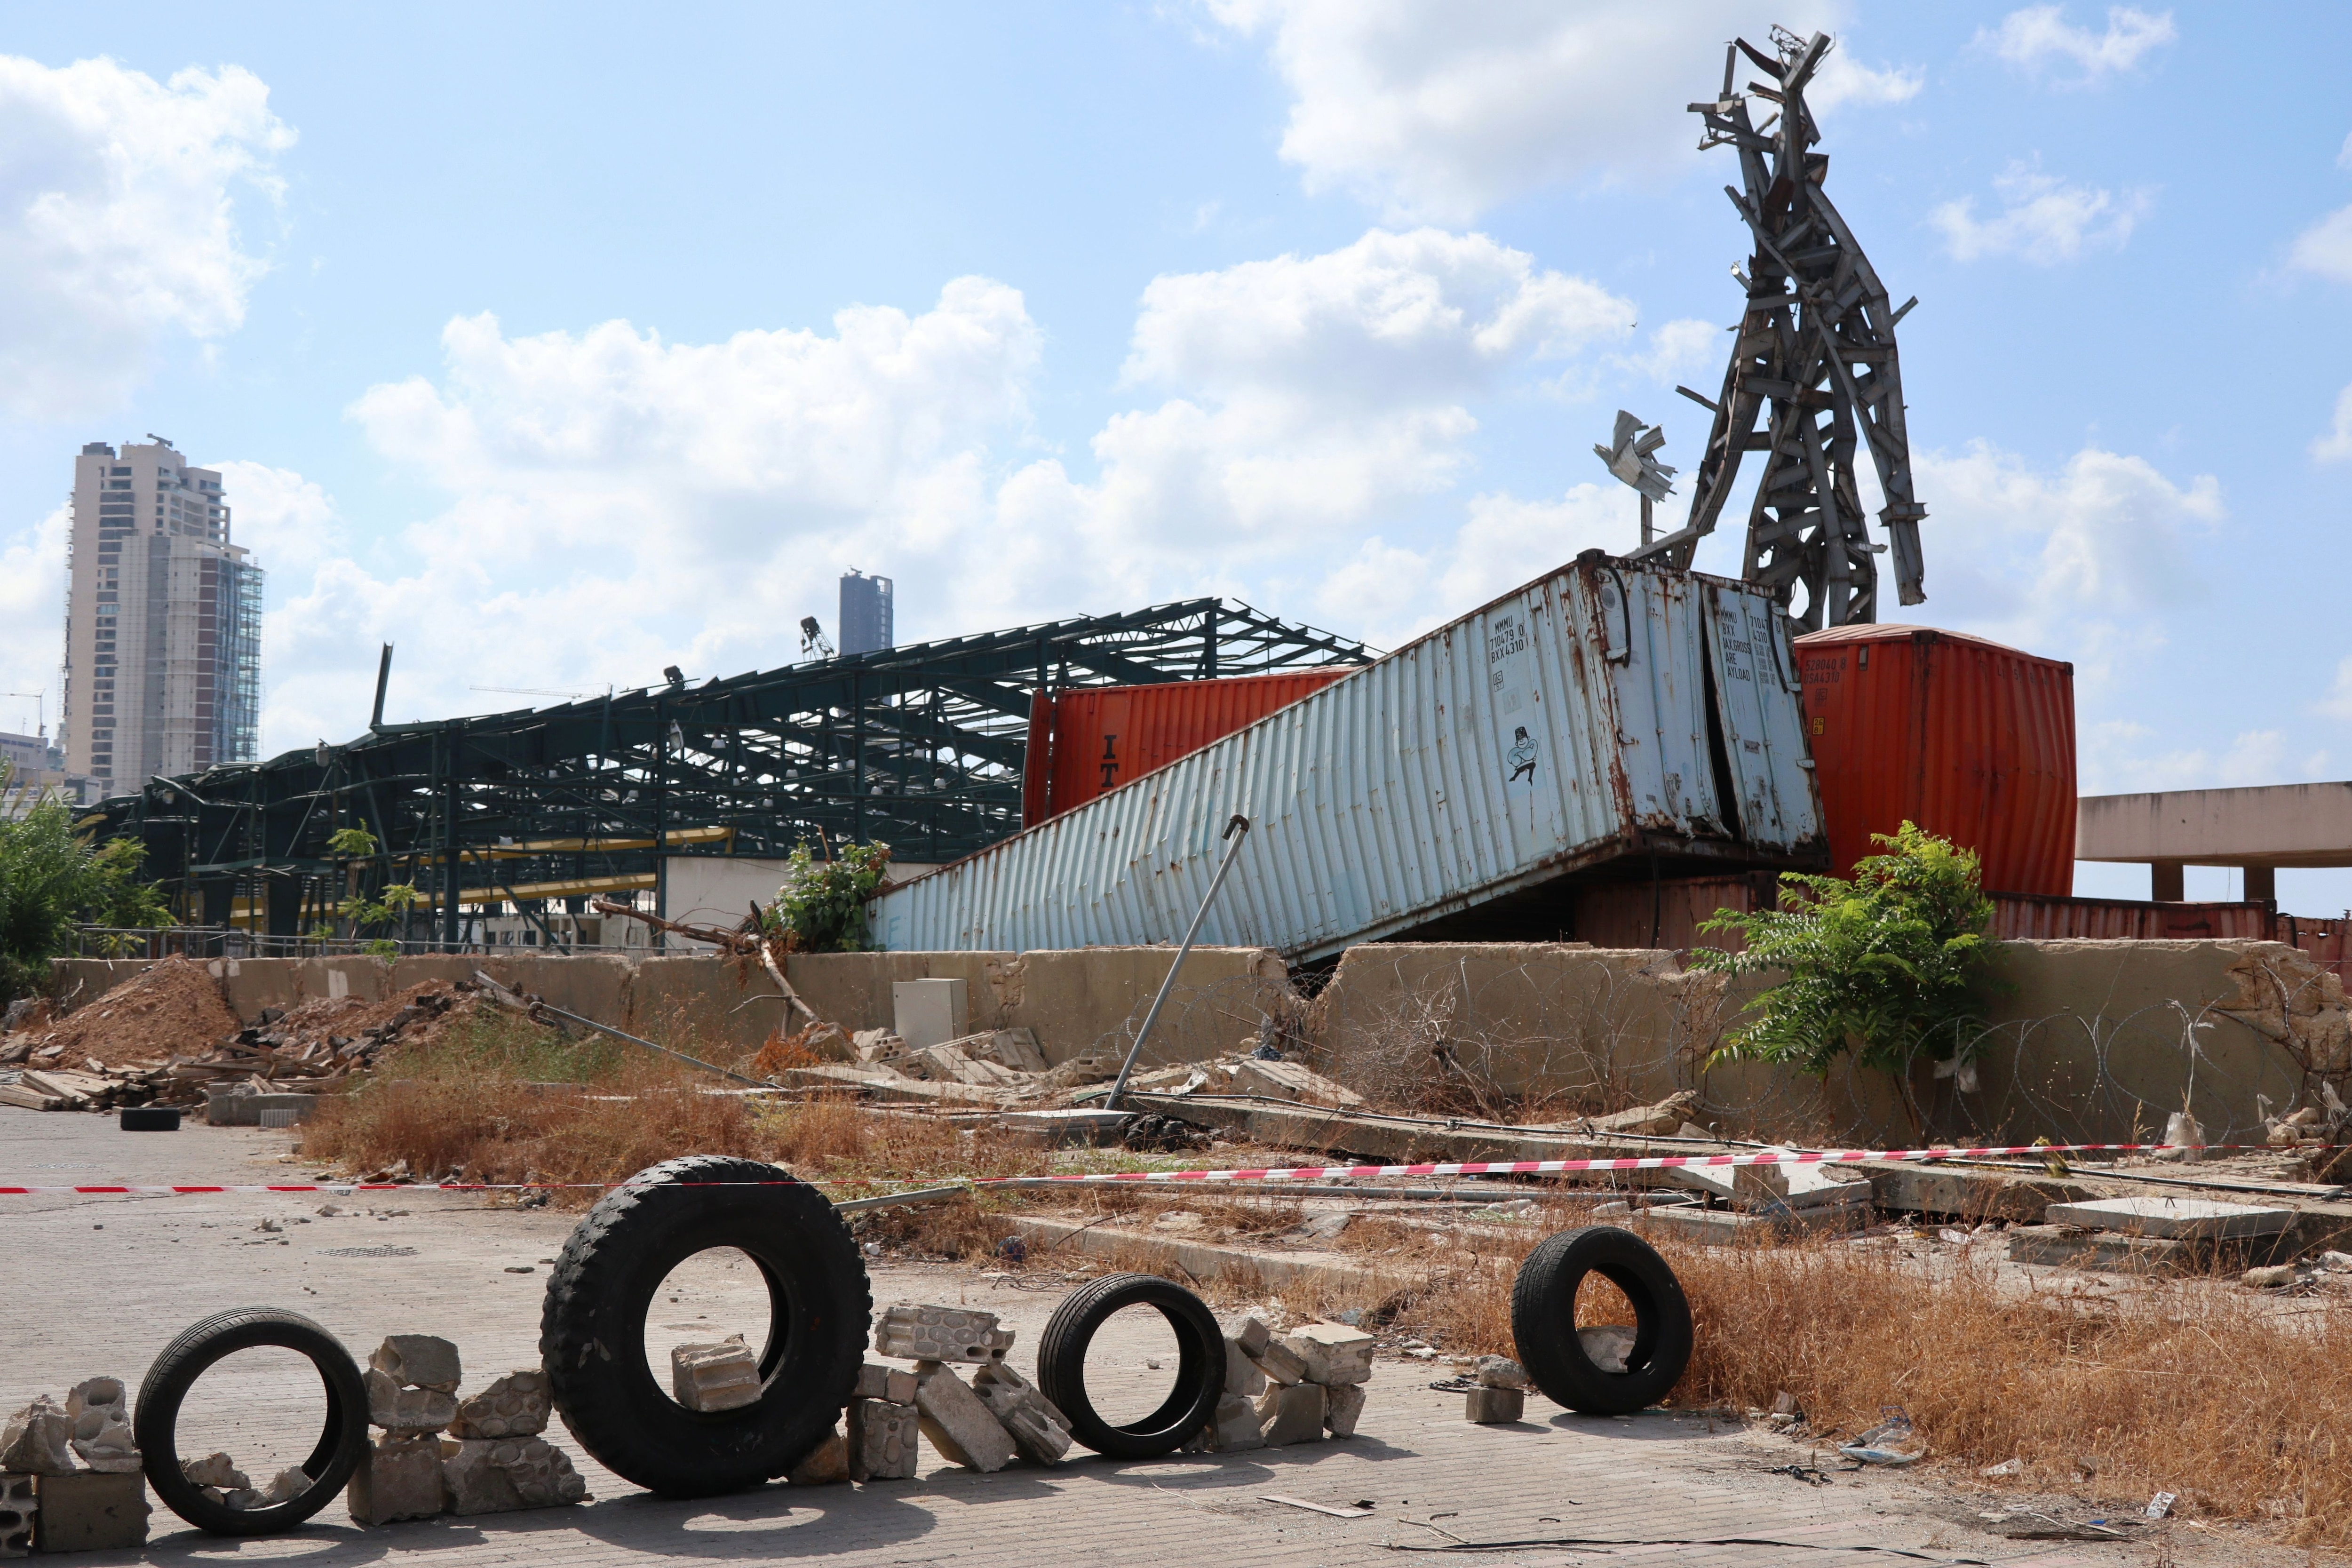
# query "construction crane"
(1817, 348)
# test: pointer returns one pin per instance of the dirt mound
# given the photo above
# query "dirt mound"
(174, 1008)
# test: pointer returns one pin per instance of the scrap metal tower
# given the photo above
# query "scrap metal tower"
(1817, 346)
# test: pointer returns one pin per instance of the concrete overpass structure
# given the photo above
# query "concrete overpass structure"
(2258, 830)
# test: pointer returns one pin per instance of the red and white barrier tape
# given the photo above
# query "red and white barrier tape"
(1269, 1174)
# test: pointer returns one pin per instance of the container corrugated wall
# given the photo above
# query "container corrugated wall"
(1560, 725)
(1088, 740)
(1972, 740)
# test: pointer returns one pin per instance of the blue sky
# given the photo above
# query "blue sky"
(559, 344)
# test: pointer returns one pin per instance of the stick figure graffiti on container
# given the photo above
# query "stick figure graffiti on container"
(1521, 756)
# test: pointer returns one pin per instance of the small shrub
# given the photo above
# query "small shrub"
(822, 906)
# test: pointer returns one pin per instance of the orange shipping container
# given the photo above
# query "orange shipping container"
(1972, 740)
(1087, 739)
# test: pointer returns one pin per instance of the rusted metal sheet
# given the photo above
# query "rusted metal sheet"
(1970, 740)
(2021, 918)
(1560, 726)
(1085, 740)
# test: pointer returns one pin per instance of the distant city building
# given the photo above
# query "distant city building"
(864, 614)
(162, 621)
(36, 773)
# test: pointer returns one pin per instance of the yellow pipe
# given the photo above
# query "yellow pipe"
(671, 839)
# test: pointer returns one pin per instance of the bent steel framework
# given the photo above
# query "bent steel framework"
(920, 746)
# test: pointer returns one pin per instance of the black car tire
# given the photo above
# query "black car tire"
(1200, 1371)
(1543, 1321)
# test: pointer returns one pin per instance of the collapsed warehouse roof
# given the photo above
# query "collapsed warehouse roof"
(920, 746)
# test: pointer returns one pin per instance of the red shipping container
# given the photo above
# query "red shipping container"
(1972, 740)
(1087, 739)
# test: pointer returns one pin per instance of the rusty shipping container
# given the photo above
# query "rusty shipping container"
(1970, 740)
(1607, 709)
(1085, 740)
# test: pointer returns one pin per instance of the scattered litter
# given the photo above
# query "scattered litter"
(1809, 1474)
(2160, 1505)
(1360, 1510)
(1879, 1445)
(2005, 1468)
(520, 1269)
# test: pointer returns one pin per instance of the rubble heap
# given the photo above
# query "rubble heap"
(76, 1468)
(1294, 1389)
(492, 1459)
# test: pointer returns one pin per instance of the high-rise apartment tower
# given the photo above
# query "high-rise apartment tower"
(865, 613)
(162, 621)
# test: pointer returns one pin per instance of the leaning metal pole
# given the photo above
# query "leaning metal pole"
(1816, 346)
(1235, 831)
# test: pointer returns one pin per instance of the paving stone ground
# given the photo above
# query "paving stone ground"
(95, 1285)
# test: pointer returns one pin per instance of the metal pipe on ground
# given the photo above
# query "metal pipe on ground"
(1236, 830)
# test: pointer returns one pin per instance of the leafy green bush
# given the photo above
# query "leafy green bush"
(51, 882)
(1888, 966)
(821, 907)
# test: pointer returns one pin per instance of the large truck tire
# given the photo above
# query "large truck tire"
(1543, 1321)
(155, 1422)
(593, 1329)
(1199, 1364)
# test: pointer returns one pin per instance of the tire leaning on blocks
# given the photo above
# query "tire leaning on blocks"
(155, 1424)
(1543, 1321)
(1199, 1364)
(592, 1328)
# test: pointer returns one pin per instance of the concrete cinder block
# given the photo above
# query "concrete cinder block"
(919, 1333)
(825, 1464)
(1038, 1428)
(959, 1425)
(1252, 1334)
(1342, 1406)
(495, 1474)
(722, 1376)
(35, 1441)
(398, 1409)
(400, 1478)
(1243, 1376)
(892, 1385)
(515, 1405)
(1291, 1412)
(19, 1510)
(418, 1361)
(1494, 1406)
(1280, 1363)
(884, 1440)
(100, 1415)
(91, 1510)
(1235, 1429)
(1332, 1353)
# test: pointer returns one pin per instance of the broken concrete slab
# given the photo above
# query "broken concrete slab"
(1291, 1412)
(894, 1384)
(2069, 1247)
(515, 1405)
(398, 1409)
(91, 1510)
(493, 1475)
(418, 1361)
(710, 1377)
(1494, 1406)
(100, 1413)
(1078, 1128)
(1235, 1429)
(1252, 1334)
(1343, 1406)
(1038, 1427)
(882, 1443)
(1281, 1363)
(1290, 1082)
(399, 1477)
(37, 1440)
(216, 1470)
(2173, 1219)
(1243, 1376)
(1332, 1353)
(915, 1331)
(959, 1425)
(1609, 1346)
(826, 1465)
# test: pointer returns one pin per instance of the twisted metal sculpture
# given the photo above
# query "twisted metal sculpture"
(1817, 345)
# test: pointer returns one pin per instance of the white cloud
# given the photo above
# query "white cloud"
(2326, 248)
(1440, 112)
(32, 608)
(2120, 756)
(1677, 349)
(622, 502)
(2040, 37)
(2044, 219)
(1846, 81)
(2086, 563)
(118, 222)
(2337, 445)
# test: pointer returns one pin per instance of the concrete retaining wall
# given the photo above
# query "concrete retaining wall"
(2086, 1041)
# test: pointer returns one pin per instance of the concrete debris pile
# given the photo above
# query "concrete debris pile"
(69, 1474)
(983, 1424)
(437, 1453)
(167, 1037)
(1292, 1389)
